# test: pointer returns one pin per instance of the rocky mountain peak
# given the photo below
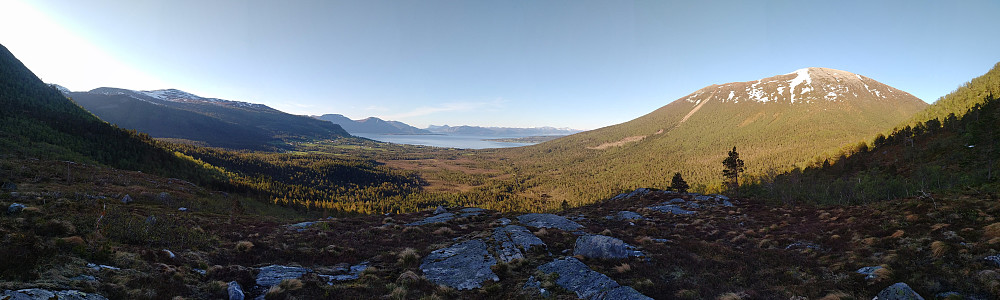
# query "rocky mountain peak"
(803, 86)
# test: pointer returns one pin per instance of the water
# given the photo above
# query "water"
(447, 141)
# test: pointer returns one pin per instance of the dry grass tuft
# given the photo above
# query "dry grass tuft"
(244, 246)
(625, 267)
(408, 256)
(897, 234)
(686, 294)
(912, 218)
(275, 292)
(407, 278)
(730, 296)
(606, 232)
(541, 232)
(444, 230)
(836, 296)
(398, 293)
(991, 231)
(939, 248)
(290, 284)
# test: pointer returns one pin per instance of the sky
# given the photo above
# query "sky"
(577, 64)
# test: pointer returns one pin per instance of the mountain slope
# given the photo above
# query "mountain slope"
(963, 98)
(372, 125)
(223, 123)
(774, 122)
(38, 121)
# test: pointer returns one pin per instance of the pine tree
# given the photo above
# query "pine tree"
(678, 183)
(733, 167)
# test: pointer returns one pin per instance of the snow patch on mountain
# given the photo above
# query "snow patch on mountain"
(801, 75)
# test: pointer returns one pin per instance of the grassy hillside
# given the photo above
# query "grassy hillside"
(962, 99)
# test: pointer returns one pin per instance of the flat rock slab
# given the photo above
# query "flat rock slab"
(714, 200)
(586, 283)
(352, 273)
(625, 215)
(671, 208)
(438, 218)
(273, 275)
(548, 221)
(463, 266)
(602, 246)
(898, 291)
(40, 294)
(511, 242)
(471, 211)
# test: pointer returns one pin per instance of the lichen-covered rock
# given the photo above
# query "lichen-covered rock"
(15, 208)
(510, 242)
(586, 283)
(548, 221)
(439, 218)
(671, 208)
(40, 294)
(235, 291)
(625, 215)
(601, 246)
(898, 291)
(273, 275)
(463, 266)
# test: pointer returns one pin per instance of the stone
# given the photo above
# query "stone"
(898, 291)
(636, 192)
(97, 267)
(352, 273)
(503, 221)
(235, 291)
(127, 199)
(439, 218)
(671, 208)
(440, 210)
(8, 187)
(586, 283)
(511, 242)
(534, 287)
(15, 208)
(869, 272)
(200, 271)
(601, 246)
(183, 209)
(994, 258)
(625, 215)
(471, 211)
(463, 266)
(273, 275)
(40, 294)
(168, 253)
(84, 277)
(302, 226)
(676, 201)
(549, 221)
(163, 197)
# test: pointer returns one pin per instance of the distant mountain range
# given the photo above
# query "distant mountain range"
(371, 125)
(775, 123)
(215, 122)
(500, 131)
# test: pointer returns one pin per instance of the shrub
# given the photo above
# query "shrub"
(244, 246)
(290, 284)
(408, 256)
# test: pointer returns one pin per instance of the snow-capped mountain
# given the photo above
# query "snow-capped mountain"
(174, 95)
(808, 85)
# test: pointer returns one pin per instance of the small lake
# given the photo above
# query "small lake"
(447, 141)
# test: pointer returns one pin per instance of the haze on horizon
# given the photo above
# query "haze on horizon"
(577, 64)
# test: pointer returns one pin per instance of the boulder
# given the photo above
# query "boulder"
(625, 215)
(471, 211)
(548, 221)
(351, 273)
(511, 242)
(439, 218)
(534, 288)
(40, 294)
(671, 208)
(898, 291)
(586, 283)
(235, 291)
(127, 199)
(273, 275)
(440, 210)
(463, 266)
(869, 272)
(994, 258)
(163, 197)
(601, 246)
(15, 208)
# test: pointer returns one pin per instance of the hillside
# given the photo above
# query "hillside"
(372, 125)
(38, 121)
(962, 99)
(775, 123)
(220, 123)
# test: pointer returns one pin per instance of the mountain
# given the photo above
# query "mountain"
(38, 121)
(775, 123)
(500, 131)
(372, 125)
(963, 98)
(215, 122)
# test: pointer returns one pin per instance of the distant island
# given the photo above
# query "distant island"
(527, 139)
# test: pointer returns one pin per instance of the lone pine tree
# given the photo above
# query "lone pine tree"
(733, 166)
(678, 183)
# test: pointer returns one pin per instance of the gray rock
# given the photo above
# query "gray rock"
(127, 199)
(511, 242)
(40, 294)
(625, 215)
(84, 277)
(352, 273)
(676, 201)
(601, 246)
(169, 254)
(463, 266)
(636, 192)
(439, 218)
(471, 211)
(945, 295)
(183, 209)
(163, 197)
(235, 291)
(200, 271)
(503, 221)
(994, 258)
(302, 225)
(15, 208)
(8, 187)
(534, 287)
(97, 267)
(273, 275)
(440, 210)
(869, 272)
(671, 208)
(898, 291)
(587, 284)
(548, 221)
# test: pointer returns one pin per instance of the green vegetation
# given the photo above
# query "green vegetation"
(964, 98)
(678, 184)
(732, 167)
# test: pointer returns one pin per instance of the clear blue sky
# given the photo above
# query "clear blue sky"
(579, 64)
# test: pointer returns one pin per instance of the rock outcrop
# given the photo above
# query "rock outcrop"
(273, 275)
(548, 221)
(40, 294)
(601, 246)
(463, 266)
(511, 242)
(898, 291)
(586, 283)
(235, 291)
